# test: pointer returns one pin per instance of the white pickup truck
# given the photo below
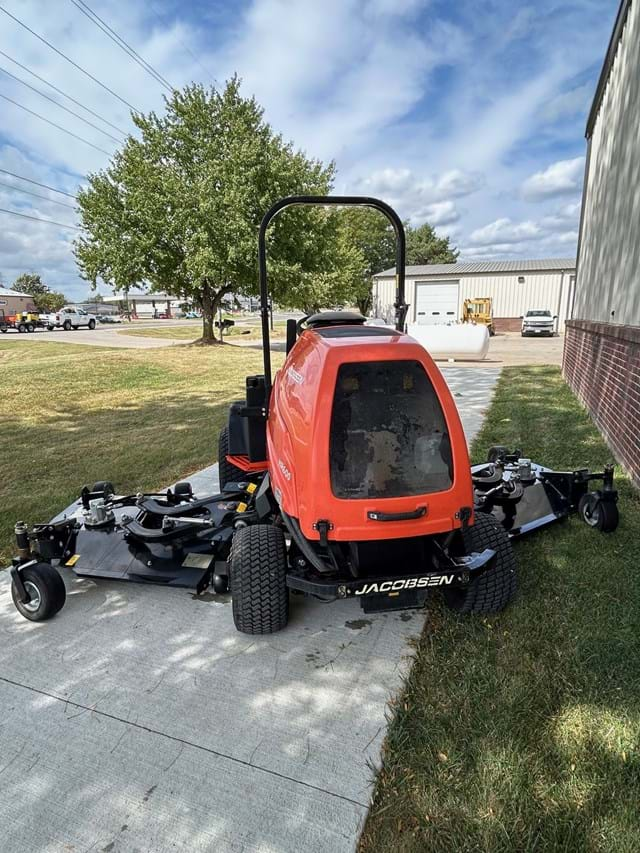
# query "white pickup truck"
(539, 321)
(68, 318)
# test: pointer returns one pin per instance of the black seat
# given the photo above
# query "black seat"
(334, 318)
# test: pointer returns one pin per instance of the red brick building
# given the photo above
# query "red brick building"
(602, 344)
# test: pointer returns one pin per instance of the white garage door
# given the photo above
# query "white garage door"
(436, 302)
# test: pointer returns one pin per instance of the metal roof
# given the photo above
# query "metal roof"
(5, 292)
(471, 267)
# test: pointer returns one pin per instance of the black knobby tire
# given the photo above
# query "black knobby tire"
(92, 324)
(30, 328)
(67, 325)
(257, 576)
(22, 328)
(46, 588)
(227, 472)
(494, 589)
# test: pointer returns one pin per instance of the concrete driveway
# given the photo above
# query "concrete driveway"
(139, 719)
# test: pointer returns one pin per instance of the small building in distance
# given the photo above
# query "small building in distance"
(13, 302)
(436, 292)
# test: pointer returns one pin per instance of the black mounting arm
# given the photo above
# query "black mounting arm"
(323, 200)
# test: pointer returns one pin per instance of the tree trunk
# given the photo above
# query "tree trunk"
(210, 302)
(208, 317)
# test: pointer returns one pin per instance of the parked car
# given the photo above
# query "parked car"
(539, 321)
(109, 318)
(69, 318)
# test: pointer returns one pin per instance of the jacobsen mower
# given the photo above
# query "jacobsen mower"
(347, 476)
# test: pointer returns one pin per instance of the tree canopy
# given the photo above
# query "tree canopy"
(425, 247)
(179, 209)
(44, 298)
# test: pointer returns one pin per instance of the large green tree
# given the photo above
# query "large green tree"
(179, 209)
(44, 298)
(425, 247)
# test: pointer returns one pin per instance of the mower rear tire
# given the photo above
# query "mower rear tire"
(494, 589)
(46, 590)
(257, 575)
(227, 472)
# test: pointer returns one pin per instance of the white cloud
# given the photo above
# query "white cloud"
(421, 199)
(561, 178)
(504, 231)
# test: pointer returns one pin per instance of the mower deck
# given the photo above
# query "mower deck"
(175, 540)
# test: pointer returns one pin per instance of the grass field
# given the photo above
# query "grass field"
(141, 418)
(521, 732)
(193, 331)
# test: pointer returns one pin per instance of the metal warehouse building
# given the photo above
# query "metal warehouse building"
(436, 292)
(602, 345)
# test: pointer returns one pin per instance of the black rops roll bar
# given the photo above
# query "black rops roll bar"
(322, 200)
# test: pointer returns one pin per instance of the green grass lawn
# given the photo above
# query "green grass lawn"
(193, 331)
(72, 415)
(521, 732)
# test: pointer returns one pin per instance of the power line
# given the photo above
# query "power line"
(186, 47)
(64, 56)
(60, 92)
(62, 107)
(53, 124)
(37, 219)
(36, 195)
(37, 183)
(88, 12)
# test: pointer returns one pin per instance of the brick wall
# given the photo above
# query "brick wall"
(507, 324)
(601, 363)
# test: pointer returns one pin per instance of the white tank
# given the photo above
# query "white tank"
(459, 341)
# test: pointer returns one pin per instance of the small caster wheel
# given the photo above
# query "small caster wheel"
(220, 584)
(497, 453)
(597, 513)
(183, 491)
(104, 486)
(45, 590)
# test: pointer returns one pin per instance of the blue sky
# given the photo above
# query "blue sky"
(469, 114)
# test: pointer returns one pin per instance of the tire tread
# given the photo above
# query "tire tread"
(493, 590)
(260, 598)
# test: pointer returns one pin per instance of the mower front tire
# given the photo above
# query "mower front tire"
(46, 591)
(227, 472)
(494, 589)
(257, 574)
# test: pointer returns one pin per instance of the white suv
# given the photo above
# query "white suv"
(69, 318)
(539, 321)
